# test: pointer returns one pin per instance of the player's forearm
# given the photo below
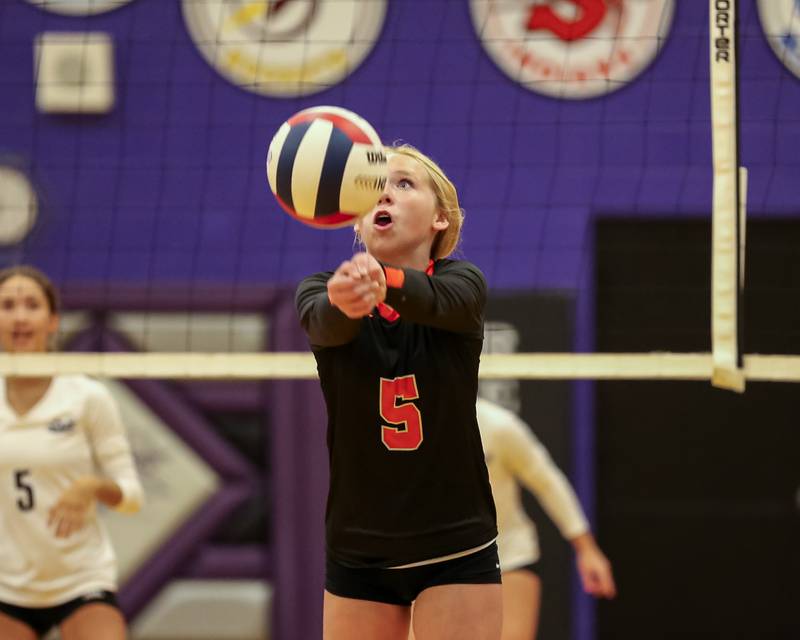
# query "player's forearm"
(327, 326)
(584, 542)
(324, 324)
(453, 301)
(539, 474)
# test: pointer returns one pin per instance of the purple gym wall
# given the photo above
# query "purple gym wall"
(171, 185)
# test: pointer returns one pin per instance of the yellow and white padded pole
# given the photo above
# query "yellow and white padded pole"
(726, 265)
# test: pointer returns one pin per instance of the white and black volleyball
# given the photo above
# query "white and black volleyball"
(326, 167)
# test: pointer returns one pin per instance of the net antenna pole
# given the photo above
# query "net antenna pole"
(729, 191)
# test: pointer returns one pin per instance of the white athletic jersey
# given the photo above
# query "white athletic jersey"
(74, 430)
(514, 456)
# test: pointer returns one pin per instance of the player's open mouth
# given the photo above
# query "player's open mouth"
(382, 219)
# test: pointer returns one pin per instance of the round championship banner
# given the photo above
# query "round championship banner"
(78, 7)
(284, 48)
(781, 22)
(572, 48)
(18, 205)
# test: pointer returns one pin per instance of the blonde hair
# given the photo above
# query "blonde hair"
(447, 240)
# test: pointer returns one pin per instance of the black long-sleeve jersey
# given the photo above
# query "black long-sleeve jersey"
(408, 478)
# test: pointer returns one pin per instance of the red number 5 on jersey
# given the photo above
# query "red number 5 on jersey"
(407, 435)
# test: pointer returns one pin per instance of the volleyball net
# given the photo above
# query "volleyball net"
(150, 206)
(598, 148)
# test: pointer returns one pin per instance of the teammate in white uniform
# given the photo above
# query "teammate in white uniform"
(515, 457)
(62, 449)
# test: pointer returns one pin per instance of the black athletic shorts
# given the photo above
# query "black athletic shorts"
(402, 586)
(42, 619)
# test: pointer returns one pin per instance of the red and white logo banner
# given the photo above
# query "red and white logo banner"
(572, 48)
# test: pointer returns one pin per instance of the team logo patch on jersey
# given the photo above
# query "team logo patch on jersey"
(572, 48)
(780, 20)
(284, 47)
(61, 425)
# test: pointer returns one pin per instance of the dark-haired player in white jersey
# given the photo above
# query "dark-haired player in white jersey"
(62, 449)
(397, 334)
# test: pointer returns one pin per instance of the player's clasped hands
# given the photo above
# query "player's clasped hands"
(357, 286)
(70, 513)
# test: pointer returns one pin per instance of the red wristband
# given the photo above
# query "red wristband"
(394, 277)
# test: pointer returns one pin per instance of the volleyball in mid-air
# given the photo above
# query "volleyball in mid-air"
(326, 167)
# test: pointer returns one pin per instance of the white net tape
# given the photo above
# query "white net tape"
(291, 365)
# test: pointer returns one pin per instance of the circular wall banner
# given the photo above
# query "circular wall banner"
(18, 205)
(572, 48)
(284, 47)
(78, 7)
(781, 22)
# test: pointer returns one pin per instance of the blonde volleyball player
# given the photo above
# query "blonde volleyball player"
(397, 336)
(62, 450)
(515, 456)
